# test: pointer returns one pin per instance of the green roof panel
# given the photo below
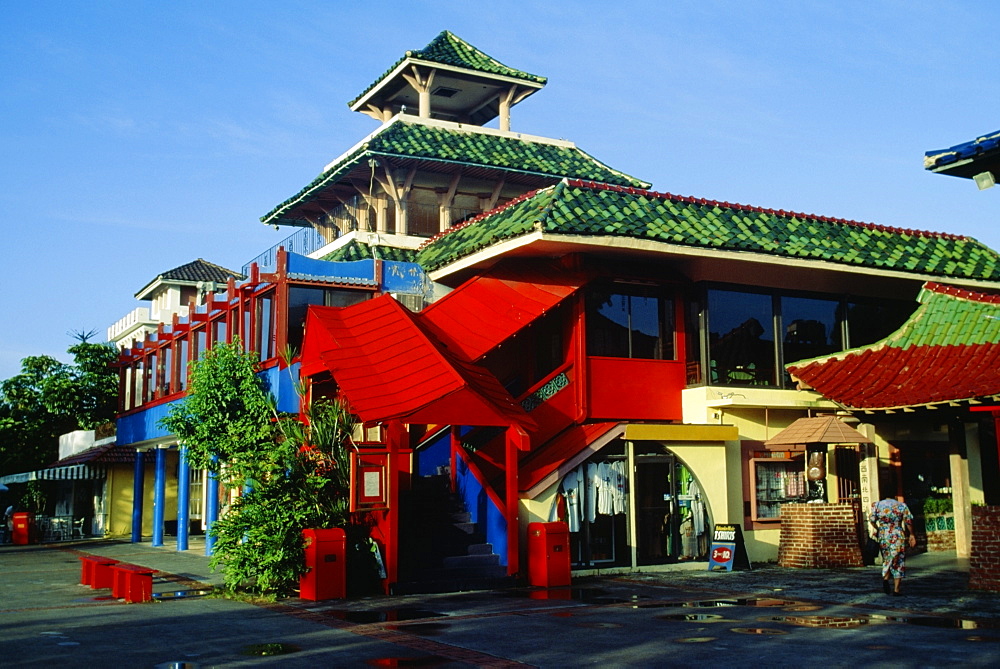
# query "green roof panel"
(449, 49)
(581, 208)
(411, 139)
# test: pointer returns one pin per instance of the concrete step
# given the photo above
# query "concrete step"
(471, 561)
(481, 549)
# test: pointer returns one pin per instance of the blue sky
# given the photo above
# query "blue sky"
(138, 136)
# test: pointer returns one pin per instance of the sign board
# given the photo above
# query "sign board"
(369, 481)
(727, 551)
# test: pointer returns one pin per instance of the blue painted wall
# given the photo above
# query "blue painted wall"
(144, 425)
(487, 517)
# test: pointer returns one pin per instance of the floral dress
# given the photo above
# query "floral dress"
(891, 518)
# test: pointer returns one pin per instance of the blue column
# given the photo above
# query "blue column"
(183, 497)
(159, 496)
(211, 511)
(138, 492)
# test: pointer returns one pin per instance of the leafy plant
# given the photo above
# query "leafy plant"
(49, 398)
(936, 506)
(293, 471)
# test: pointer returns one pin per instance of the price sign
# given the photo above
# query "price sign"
(728, 550)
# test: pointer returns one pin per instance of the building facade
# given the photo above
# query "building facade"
(526, 334)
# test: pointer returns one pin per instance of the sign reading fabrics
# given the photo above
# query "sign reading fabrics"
(728, 551)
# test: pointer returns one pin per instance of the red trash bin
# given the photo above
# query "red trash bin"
(326, 565)
(24, 531)
(548, 555)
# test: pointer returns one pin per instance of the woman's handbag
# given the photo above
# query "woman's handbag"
(870, 551)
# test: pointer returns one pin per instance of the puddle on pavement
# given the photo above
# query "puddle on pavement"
(842, 622)
(598, 625)
(385, 616)
(942, 623)
(696, 639)
(711, 603)
(423, 661)
(757, 630)
(420, 629)
(695, 617)
(269, 649)
(180, 594)
(583, 595)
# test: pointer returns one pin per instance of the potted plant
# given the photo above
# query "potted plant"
(939, 521)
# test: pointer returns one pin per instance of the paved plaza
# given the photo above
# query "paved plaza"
(677, 616)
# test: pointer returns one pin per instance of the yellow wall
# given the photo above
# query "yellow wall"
(120, 496)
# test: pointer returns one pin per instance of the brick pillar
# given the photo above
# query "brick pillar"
(819, 536)
(984, 560)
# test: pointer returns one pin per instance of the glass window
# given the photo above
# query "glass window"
(265, 327)
(741, 338)
(182, 364)
(811, 328)
(219, 330)
(299, 299)
(626, 322)
(776, 481)
(869, 322)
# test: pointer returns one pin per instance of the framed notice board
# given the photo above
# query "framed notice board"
(369, 481)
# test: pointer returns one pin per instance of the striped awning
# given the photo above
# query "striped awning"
(63, 473)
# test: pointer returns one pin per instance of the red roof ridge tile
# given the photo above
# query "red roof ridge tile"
(479, 217)
(962, 293)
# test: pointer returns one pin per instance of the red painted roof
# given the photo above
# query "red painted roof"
(948, 350)
(388, 367)
(475, 317)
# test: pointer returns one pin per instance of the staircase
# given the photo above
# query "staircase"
(441, 550)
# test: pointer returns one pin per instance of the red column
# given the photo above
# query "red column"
(517, 440)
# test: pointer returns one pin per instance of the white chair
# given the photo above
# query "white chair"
(78, 529)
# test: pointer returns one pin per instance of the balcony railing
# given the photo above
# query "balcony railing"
(138, 316)
(303, 241)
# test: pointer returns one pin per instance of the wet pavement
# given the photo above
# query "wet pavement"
(681, 615)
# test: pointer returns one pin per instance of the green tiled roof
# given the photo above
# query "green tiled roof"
(406, 138)
(950, 316)
(449, 49)
(948, 351)
(355, 250)
(579, 208)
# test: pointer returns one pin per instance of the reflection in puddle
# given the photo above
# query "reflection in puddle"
(600, 625)
(420, 629)
(385, 616)
(711, 603)
(269, 649)
(424, 661)
(844, 622)
(181, 594)
(696, 639)
(757, 630)
(943, 623)
(694, 617)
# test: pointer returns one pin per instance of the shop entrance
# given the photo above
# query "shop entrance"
(670, 520)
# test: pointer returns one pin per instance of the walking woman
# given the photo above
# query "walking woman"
(893, 525)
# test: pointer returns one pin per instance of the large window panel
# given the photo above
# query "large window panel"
(625, 322)
(869, 322)
(741, 338)
(811, 328)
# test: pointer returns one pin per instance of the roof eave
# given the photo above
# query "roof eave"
(358, 103)
(489, 255)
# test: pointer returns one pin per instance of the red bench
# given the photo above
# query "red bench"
(95, 571)
(132, 582)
